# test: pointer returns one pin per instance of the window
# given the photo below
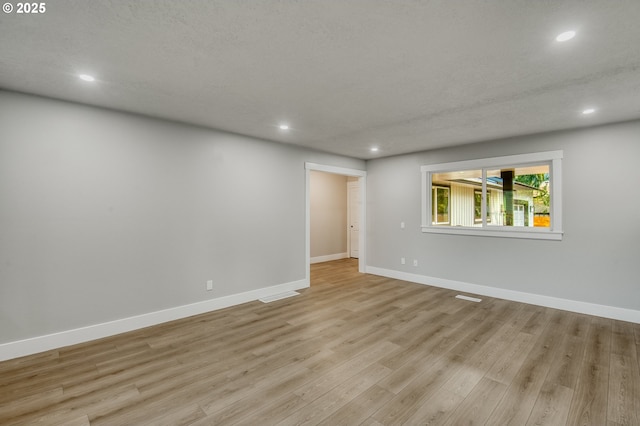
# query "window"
(477, 206)
(440, 203)
(514, 196)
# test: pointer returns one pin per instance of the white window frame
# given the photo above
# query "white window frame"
(553, 232)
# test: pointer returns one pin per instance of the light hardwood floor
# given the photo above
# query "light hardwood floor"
(352, 349)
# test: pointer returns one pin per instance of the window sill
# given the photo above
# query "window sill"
(501, 232)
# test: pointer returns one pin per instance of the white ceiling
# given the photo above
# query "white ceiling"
(403, 75)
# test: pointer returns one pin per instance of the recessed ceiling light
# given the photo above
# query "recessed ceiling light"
(589, 111)
(374, 149)
(567, 35)
(87, 77)
(284, 127)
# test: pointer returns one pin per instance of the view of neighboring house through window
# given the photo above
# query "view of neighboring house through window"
(515, 196)
(524, 195)
(459, 187)
(497, 196)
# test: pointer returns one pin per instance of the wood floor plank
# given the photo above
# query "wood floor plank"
(538, 321)
(243, 398)
(480, 361)
(93, 405)
(28, 404)
(343, 372)
(183, 416)
(337, 397)
(400, 408)
(27, 363)
(418, 357)
(636, 332)
(437, 409)
(565, 370)
(552, 405)
(84, 383)
(371, 422)
(247, 403)
(624, 391)
(359, 409)
(69, 419)
(476, 408)
(239, 387)
(231, 397)
(351, 349)
(515, 408)
(589, 404)
(510, 361)
(272, 411)
(622, 338)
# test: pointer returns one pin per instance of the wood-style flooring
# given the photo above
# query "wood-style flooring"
(354, 349)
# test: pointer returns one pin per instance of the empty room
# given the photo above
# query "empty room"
(280, 212)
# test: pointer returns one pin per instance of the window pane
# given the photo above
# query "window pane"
(519, 196)
(453, 195)
(477, 207)
(440, 203)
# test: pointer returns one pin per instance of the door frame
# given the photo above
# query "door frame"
(352, 184)
(362, 180)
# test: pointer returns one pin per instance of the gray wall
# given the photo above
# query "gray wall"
(328, 213)
(105, 215)
(598, 260)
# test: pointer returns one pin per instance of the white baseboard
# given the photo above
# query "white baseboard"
(80, 335)
(605, 311)
(329, 257)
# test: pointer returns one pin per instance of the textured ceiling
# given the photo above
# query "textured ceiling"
(345, 74)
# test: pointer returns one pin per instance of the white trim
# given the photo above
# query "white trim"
(335, 170)
(426, 200)
(555, 179)
(613, 312)
(468, 298)
(362, 181)
(362, 239)
(307, 224)
(499, 231)
(97, 331)
(279, 296)
(507, 160)
(329, 257)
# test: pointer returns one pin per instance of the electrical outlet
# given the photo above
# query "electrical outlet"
(401, 225)
(402, 261)
(209, 285)
(415, 262)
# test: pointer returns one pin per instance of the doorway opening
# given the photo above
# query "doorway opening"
(334, 272)
(345, 215)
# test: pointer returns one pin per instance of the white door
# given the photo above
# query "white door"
(353, 194)
(518, 215)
